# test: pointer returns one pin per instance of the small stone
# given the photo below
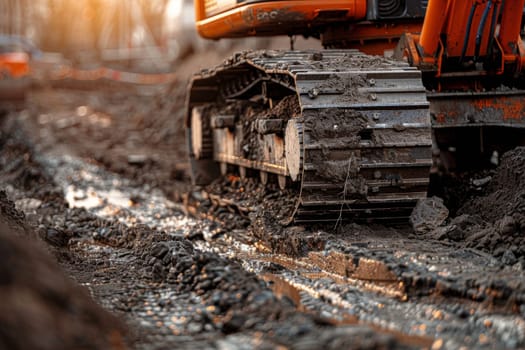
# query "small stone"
(194, 327)
(507, 225)
(437, 344)
(509, 258)
(456, 234)
(104, 232)
(429, 214)
(234, 323)
(28, 204)
(481, 182)
(137, 159)
(313, 93)
(159, 250)
(519, 266)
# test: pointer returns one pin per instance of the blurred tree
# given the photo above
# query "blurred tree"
(75, 27)
(154, 14)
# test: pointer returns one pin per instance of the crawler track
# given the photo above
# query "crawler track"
(350, 132)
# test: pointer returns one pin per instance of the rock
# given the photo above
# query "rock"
(159, 250)
(506, 226)
(481, 182)
(137, 159)
(456, 234)
(519, 266)
(55, 237)
(509, 258)
(194, 327)
(28, 205)
(233, 323)
(104, 232)
(466, 221)
(429, 214)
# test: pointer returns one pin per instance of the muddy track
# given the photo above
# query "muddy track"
(351, 131)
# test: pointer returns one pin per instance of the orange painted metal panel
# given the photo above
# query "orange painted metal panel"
(433, 25)
(511, 25)
(277, 17)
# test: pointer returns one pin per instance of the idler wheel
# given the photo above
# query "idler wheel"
(293, 144)
(201, 140)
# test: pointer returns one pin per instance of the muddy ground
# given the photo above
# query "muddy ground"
(105, 245)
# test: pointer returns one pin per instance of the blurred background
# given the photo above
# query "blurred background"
(141, 35)
(87, 32)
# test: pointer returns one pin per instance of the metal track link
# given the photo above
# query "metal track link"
(364, 128)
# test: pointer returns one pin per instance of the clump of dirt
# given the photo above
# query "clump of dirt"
(336, 124)
(16, 160)
(264, 210)
(293, 241)
(364, 61)
(347, 86)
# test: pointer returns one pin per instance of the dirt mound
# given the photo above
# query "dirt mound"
(41, 308)
(493, 218)
(505, 194)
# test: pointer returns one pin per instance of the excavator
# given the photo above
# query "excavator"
(402, 89)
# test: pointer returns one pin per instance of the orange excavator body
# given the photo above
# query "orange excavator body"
(438, 30)
(334, 21)
(462, 109)
(273, 17)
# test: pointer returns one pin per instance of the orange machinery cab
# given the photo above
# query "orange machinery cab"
(230, 18)
(370, 25)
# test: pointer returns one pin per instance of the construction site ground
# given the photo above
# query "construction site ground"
(105, 245)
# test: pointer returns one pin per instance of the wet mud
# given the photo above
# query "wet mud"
(99, 180)
(41, 303)
(122, 265)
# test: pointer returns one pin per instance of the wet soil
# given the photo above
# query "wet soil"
(42, 308)
(168, 292)
(96, 180)
(490, 217)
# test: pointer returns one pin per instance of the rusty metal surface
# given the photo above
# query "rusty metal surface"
(501, 108)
